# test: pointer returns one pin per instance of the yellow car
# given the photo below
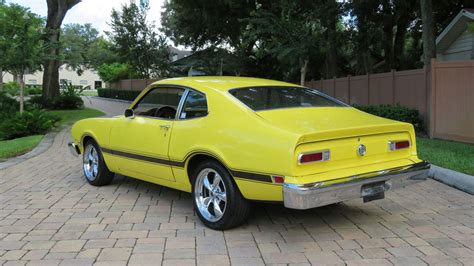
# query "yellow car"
(232, 140)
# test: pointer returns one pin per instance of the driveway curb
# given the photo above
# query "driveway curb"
(452, 178)
(43, 146)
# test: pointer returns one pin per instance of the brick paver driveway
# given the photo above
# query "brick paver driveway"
(50, 215)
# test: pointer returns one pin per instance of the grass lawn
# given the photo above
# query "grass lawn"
(68, 117)
(89, 93)
(15, 147)
(9, 148)
(448, 154)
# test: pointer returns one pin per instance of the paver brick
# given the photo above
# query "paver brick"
(51, 216)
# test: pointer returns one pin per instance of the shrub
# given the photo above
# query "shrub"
(26, 124)
(113, 72)
(8, 105)
(118, 94)
(12, 88)
(33, 91)
(396, 112)
(67, 102)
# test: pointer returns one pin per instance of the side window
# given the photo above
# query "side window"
(160, 103)
(194, 106)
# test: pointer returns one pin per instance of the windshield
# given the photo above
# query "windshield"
(265, 98)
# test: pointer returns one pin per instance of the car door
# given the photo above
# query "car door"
(140, 142)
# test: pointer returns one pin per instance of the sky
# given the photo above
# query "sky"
(96, 12)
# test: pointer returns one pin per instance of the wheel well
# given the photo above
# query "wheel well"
(85, 140)
(196, 160)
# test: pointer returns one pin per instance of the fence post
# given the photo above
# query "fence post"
(349, 89)
(334, 86)
(368, 88)
(432, 100)
(393, 86)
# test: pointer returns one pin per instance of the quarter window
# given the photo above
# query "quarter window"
(195, 106)
(160, 103)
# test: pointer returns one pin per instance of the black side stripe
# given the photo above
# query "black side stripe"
(252, 176)
(239, 174)
(144, 158)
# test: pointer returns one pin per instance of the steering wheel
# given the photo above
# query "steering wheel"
(166, 112)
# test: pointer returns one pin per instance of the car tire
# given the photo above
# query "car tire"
(216, 198)
(94, 167)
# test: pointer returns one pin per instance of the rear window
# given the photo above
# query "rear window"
(266, 98)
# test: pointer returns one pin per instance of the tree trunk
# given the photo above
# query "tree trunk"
(388, 36)
(57, 9)
(399, 42)
(304, 69)
(429, 46)
(331, 58)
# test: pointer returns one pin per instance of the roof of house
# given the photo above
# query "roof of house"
(455, 28)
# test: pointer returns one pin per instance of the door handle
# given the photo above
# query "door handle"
(165, 127)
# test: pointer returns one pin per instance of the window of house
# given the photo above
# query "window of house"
(159, 103)
(194, 106)
(32, 81)
(83, 82)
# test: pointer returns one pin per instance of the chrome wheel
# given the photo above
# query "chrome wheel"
(210, 195)
(90, 161)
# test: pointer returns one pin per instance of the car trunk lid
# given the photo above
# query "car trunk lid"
(342, 131)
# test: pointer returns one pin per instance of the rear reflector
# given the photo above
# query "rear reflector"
(278, 179)
(313, 157)
(398, 145)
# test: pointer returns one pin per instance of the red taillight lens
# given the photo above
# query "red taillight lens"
(313, 157)
(398, 145)
(278, 179)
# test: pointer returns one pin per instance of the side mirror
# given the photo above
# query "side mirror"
(129, 113)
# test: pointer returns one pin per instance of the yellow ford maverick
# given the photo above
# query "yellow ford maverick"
(231, 140)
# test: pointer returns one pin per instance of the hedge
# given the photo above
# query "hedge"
(395, 112)
(118, 94)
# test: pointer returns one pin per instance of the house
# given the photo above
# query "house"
(88, 78)
(456, 41)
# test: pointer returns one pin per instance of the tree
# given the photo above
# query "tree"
(82, 48)
(57, 10)
(137, 43)
(20, 42)
(429, 46)
(77, 43)
(289, 32)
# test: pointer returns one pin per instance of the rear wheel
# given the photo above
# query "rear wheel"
(95, 170)
(217, 199)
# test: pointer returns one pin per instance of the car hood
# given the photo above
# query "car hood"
(317, 123)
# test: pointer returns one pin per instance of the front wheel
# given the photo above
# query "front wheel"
(217, 199)
(95, 170)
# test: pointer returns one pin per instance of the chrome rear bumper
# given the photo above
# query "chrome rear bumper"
(323, 193)
(74, 149)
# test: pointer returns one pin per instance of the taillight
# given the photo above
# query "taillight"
(311, 157)
(398, 145)
(278, 179)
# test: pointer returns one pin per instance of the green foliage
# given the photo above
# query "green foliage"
(137, 43)
(21, 45)
(33, 91)
(68, 99)
(118, 94)
(27, 123)
(396, 112)
(83, 48)
(8, 106)
(113, 72)
(12, 88)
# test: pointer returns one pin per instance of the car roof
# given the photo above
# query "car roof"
(222, 83)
